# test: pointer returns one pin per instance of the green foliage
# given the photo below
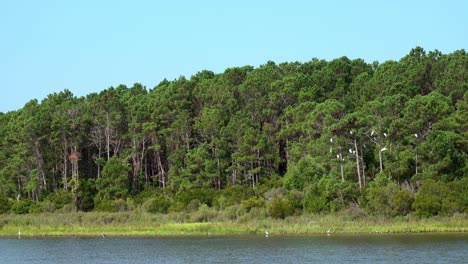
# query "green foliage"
(315, 200)
(379, 195)
(22, 206)
(203, 196)
(60, 198)
(280, 208)
(252, 202)
(439, 198)
(114, 181)
(5, 205)
(156, 204)
(305, 172)
(330, 132)
(401, 203)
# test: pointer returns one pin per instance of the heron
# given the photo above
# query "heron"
(383, 149)
(19, 233)
(266, 233)
(328, 232)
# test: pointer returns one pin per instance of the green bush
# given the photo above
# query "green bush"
(302, 173)
(42, 207)
(294, 198)
(314, 201)
(157, 204)
(85, 196)
(22, 206)
(103, 205)
(204, 214)
(439, 198)
(252, 202)
(119, 205)
(193, 205)
(378, 199)
(5, 205)
(401, 202)
(204, 196)
(428, 201)
(280, 208)
(60, 198)
(146, 194)
(233, 195)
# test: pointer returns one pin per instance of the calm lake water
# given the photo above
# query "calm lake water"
(399, 248)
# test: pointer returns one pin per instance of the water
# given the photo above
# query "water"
(399, 248)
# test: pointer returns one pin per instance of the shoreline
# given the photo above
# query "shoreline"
(134, 224)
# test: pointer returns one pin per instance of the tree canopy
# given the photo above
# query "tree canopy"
(389, 137)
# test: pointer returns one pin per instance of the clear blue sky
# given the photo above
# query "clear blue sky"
(89, 45)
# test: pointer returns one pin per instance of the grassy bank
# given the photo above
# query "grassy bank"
(144, 224)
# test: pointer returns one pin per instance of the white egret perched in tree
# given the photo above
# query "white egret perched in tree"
(383, 149)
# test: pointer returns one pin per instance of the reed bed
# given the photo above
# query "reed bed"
(186, 224)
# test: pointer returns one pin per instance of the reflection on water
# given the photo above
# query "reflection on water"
(398, 248)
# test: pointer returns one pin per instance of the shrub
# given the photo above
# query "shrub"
(280, 208)
(119, 205)
(204, 196)
(204, 214)
(233, 195)
(193, 205)
(401, 202)
(22, 206)
(5, 205)
(314, 201)
(103, 205)
(252, 202)
(158, 204)
(428, 200)
(304, 172)
(378, 199)
(295, 198)
(60, 198)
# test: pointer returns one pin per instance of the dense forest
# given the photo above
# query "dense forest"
(321, 136)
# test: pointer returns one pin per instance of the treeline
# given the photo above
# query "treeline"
(287, 138)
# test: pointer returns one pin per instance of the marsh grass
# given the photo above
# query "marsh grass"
(215, 223)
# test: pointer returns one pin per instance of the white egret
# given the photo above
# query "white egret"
(266, 233)
(383, 149)
(385, 134)
(372, 133)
